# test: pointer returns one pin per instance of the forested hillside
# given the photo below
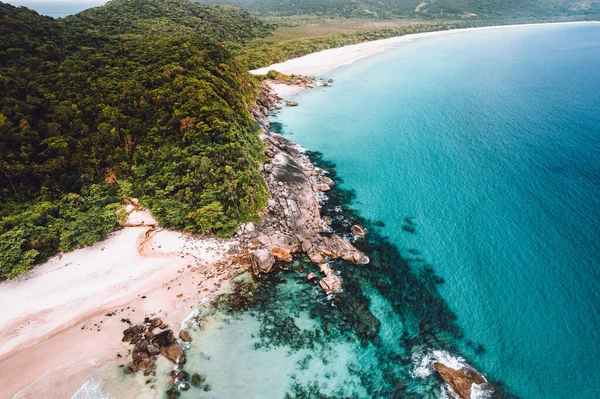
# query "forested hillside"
(136, 98)
(173, 17)
(419, 8)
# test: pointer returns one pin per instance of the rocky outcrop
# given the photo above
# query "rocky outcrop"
(460, 381)
(331, 283)
(261, 261)
(147, 346)
(292, 222)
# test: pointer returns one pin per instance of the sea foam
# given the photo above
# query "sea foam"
(91, 390)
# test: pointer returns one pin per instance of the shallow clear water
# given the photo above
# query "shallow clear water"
(490, 140)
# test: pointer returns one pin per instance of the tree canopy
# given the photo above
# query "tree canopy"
(419, 8)
(123, 99)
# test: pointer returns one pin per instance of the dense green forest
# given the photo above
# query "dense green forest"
(419, 8)
(136, 98)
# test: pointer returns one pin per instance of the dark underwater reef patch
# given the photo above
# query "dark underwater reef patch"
(408, 285)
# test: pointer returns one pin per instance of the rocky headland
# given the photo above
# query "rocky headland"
(292, 224)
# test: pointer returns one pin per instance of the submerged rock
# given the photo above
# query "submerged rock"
(461, 380)
(173, 393)
(291, 104)
(358, 231)
(197, 380)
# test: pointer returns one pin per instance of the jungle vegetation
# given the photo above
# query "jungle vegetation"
(422, 9)
(137, 98)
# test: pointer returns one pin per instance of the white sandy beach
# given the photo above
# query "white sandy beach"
(323, 62)
(55, 330)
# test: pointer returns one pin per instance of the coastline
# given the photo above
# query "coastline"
(70, 313)
(66, 329)
(322, 62)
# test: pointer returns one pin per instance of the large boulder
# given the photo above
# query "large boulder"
(315, 255)
(262, 261)
(174, 352)
(327, 180)
(282, 254)
(185, 336)
(326, 269)
(358, 231)
(331, 284)
(169, 347)
(461, 380)
(336, 247)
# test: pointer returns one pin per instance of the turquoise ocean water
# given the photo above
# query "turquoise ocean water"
(490, 141)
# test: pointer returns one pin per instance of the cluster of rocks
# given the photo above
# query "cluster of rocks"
(181, 381)
(148, 344)
(305, 81)
(461, 381)
(331, 283)
(292, 223)
(151, 339)
(300, 80)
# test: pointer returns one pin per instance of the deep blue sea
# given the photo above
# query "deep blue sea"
(490, 141)
(58, 8)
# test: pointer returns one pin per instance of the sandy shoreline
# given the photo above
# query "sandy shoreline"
(322, 62)
(63, 321)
